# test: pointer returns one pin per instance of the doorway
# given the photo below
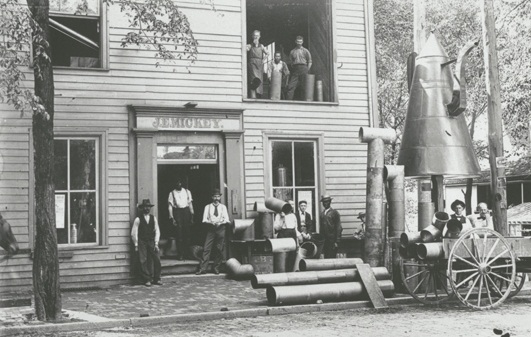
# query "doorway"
(201, 180)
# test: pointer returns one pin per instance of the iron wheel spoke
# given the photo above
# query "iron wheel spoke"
(469, 252)
(414, 275)
(494, 285)
(464, 260)
(497, 257)
(480, 290)
(420, 283)
(466, 280)
(501, 277)
(488, 290)
(472, 288)
(492, 249)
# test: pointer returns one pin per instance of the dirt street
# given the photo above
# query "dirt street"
(451, 320)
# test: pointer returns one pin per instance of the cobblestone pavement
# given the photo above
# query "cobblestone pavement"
(450, 320)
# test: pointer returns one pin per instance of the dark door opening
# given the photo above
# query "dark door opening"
(200, 179)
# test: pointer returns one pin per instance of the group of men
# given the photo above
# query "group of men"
(480, 219)
(146, 232)
(300, 62)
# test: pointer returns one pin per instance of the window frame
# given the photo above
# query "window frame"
(103, 201)
(293, 136)
(334, 101)
(104, 37)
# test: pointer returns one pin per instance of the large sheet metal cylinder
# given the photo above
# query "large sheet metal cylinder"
(244, 228)
(309, 85)
(430, 251)
(328, 264)
(430, 234)
(239, 271)
(394, 174)
(319, 91)
(440, 219)
(409, 238)
(453, 228)
(307, 250)
(329, 292)
(276, 84)
(279, 262)
(264, 225)
(314, 277)
(433, 142)
(277, 205)
(373, 251)
(408, 252)
(281, 245)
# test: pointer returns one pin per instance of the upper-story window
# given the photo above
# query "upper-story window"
(290, 50)
(76, 33)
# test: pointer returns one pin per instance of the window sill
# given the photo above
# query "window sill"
(261, 100)
(74, 247)
(81, 68)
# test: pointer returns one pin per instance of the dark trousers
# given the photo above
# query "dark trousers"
(149, 261)
(183, 219)
(290, 256)
(296, 79)
(329, 249)
(215, 240)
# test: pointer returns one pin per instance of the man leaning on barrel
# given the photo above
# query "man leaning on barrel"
(330, 227)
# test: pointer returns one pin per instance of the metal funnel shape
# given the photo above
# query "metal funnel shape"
(433, 142)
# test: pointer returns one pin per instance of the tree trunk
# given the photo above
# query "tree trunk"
(46, 287)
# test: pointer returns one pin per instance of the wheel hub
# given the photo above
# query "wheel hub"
(484, 269)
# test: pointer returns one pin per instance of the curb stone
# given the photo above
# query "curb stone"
(136, 322)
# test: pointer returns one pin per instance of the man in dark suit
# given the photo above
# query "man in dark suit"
(330, 227)
(304, 219)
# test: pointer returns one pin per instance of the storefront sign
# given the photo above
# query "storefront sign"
(188, 123)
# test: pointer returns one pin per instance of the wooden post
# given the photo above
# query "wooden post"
(496, 159)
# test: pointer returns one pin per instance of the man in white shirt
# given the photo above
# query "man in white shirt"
(215, 217)
(483, 219)
(181, 210)
(145, 235)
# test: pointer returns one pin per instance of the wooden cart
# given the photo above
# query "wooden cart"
(481, 269)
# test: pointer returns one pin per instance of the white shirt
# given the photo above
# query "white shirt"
(221, 218)
(136, 223)
(180, 199)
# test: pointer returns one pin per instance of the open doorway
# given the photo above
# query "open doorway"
(200, 179)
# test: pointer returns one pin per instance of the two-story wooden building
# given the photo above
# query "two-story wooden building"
(125, 132)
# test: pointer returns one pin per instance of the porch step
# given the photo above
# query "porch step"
(177, 267)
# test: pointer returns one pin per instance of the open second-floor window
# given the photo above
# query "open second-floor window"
(300, 31)
(76, 33)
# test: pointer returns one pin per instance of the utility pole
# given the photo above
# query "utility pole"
(496, 159)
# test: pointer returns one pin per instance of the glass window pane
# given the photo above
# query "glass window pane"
(90, 7)
(83, 216)
(82, 164)
(62, 230)
(187, 152)
(283, 193)
(281, 161)
(304, 164)
(60, 164)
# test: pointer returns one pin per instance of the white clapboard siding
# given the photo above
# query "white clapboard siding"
(98, 99)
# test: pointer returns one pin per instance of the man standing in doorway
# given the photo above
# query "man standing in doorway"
(301, 62)
(330, 227)
(215, 217)
(145, 235)
(181, 210)
(304, 219)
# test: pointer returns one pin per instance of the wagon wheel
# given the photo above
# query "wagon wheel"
(478, 261)
(516, 286)
(425, 281)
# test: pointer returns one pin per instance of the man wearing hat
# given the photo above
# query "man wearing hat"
(459, 208)
(330, 227)
(145, 235)
(215, 217)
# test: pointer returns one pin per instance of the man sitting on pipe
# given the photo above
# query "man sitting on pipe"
(330, 228)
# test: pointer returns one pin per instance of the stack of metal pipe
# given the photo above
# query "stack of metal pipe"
(427, 243)
(322, 280)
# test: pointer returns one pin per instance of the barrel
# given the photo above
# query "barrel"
(309, 85)
(276, 85)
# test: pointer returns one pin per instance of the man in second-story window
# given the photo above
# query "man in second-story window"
(279, 68)
(301, 62)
